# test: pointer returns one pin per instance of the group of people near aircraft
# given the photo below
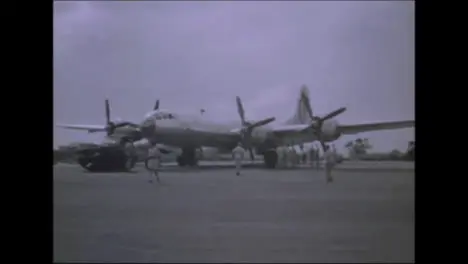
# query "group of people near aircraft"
(288, 155)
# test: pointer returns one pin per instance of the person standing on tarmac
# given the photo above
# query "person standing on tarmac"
(312, 156)
(300, 154)
(238, 156)
(284, 156)
(279, 151)
(296, 156)
(292, 156)
(153, 162)
(333, 149)
(303, 154)
(317, 158)
(288, 155)
(329, 158)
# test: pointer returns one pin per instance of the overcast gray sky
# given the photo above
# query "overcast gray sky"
(202, 54)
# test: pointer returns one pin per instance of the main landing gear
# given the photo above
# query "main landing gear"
(270, 157)
(188, 158)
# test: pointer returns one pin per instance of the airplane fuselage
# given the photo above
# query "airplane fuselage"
(193, 131)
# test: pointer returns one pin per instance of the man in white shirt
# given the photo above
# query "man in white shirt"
(299, 155)
(153, 162)
(292, 156)
(317, 158)
(238, 156)
(334, 149)
(303, 154)
(296, 156)
(329, 158)
(312, 156)
(284, 156)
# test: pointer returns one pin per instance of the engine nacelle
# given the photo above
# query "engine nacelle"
(330, 130)
(259, 135)
(208, 153)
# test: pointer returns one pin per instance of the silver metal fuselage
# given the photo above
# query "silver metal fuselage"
(192, 131)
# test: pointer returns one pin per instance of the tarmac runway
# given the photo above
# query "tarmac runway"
(211, 215)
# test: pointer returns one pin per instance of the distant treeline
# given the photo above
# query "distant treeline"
(384, 157)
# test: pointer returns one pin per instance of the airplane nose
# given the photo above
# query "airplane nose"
(148, 127)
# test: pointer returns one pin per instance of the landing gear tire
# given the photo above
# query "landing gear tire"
(188, 158)
(270, 158)
(180, 161)
(193, 162)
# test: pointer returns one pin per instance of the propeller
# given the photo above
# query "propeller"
(112, 125)
(248, 127)
(318, 121)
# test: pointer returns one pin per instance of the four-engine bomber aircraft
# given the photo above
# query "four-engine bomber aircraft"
(192, 132)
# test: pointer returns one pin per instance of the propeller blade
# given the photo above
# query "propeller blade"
(240, 109)
(262, 122)
(333, 114)
(156, 106)
(252, 157)
(107, 112)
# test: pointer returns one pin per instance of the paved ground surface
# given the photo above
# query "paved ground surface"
(210, 215)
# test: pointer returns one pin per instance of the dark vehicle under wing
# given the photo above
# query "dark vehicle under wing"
(106, 158)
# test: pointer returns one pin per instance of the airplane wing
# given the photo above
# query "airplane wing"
(358, 128)
(89, 128)
(290, 130)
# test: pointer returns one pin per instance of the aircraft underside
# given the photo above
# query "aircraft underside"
(267, 149)
(189, 158)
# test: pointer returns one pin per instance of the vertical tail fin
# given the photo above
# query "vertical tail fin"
(300, 115)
